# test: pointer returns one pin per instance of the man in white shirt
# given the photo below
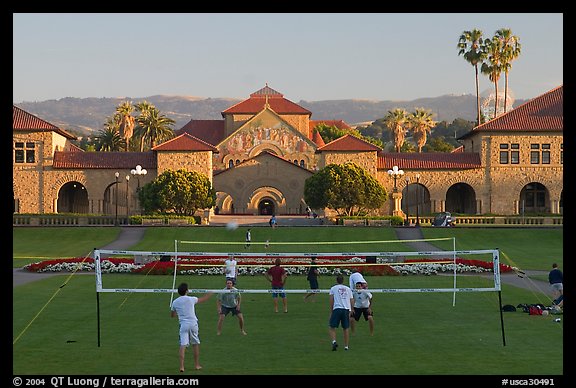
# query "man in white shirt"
(183, 308)
(230, 270)
(356, 277)
(341, 301)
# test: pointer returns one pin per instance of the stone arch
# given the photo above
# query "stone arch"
(270, 147)
(461, 198)
(542, 192)
(69, 194)
(267, 193)
(225, 203)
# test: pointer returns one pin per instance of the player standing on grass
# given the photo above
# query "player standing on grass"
(248, 239)
(341, 301)
(230, 270)
(229, 302)
(362, 306)
(183, 308)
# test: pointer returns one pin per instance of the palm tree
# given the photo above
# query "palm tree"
(421, 124)
(396, 121)
(470, 47)
(144, 107)
(493, 68)
(108, 138)
(154, 127)
(511, 49)
(126, 128)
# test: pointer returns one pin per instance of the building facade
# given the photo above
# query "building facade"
(260, 154)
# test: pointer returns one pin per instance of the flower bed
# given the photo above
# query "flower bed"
(258, 266)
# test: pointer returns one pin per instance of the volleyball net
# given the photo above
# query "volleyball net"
(371, 258)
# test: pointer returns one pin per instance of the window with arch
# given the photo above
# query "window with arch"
(302, 163)
(230, 163)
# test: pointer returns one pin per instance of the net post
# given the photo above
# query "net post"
(501, 318)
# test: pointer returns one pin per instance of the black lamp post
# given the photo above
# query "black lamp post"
(127, 199)
(417, 199)
(137, 172)
(116, 174)
(407, 222)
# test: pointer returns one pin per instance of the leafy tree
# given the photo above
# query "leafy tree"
(181, 192)
(511, 49)
(346, 188)
(331, 132)
(470, 47)
(438, 144)
(396, 121)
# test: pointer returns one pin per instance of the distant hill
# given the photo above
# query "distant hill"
(86, 116)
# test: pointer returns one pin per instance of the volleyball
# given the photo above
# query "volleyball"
(232, 225)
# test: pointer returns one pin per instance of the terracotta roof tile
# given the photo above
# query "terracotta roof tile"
(317, 138)
(429, 160)
(349, 143)
(110, 160)
(24, 121)
(543, 113)
(185, 142)
(257, 102)
(210, 131)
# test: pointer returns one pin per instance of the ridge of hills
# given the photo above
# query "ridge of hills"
(86, 116)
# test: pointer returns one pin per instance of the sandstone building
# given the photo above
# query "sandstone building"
(265, 147)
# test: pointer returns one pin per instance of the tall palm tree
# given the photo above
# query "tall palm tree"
(126, 128)
(108, 138)
(493, 66)
(511, 49)
(144, 108)
(154, 127)
(421, 123)
(470, 47)
(396, 121)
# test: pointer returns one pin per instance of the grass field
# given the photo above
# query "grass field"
(55, 325)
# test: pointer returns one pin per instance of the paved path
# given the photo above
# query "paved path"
(129, 236)
(537, 286)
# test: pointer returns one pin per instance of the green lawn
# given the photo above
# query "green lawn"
(55, 325)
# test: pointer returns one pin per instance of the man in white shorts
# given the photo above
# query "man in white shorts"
(183, 308)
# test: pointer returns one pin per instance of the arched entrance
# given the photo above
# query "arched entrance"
(534, 199)
(266, 207)
(461, 198)
(72, 198)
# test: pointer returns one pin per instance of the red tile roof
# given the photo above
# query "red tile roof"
(111, 160)
(543, 113)
(257, 102)
(349, 143)
(24, 121)
(429, 160)
(210, 131)
(185, 142)
(317, 138)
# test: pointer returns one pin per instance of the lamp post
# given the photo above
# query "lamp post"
(395, 173)
(396, 196)
(137, 172)
(116, 174)
(417, 199)
(407, 222)
(127, 197)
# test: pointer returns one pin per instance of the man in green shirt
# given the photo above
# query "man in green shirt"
(229, 302)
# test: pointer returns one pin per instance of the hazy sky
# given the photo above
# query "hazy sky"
(314, 56)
